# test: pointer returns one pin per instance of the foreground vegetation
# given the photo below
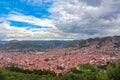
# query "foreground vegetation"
(81, 72)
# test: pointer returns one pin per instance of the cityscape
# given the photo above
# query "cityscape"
(59, 40)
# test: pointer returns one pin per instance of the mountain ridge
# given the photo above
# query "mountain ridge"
(26, 46)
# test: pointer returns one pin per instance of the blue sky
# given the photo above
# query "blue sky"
(8, 6)
(18, 6)
(58, 19)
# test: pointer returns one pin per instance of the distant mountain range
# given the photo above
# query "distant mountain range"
(99, 42)
(26, 46)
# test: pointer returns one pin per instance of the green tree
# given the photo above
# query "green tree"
(113, 71)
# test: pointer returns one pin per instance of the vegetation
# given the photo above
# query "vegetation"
(117, 45)
(81, 72)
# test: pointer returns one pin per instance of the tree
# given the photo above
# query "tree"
(113, 71)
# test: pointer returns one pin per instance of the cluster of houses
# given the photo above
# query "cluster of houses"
(61, 60)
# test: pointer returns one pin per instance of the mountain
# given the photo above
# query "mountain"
(19, 46)
(99, 42)
(103, 44)
(106, 45)
(26, 46)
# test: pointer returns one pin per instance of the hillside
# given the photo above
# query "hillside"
(99, 42)
(27, 46)
(108, 44)
(81, 72)
(97, 51)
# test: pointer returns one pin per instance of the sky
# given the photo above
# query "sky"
(58, 19)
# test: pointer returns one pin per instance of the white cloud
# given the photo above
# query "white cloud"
(37, 2)
(15, 33)
(83, 17)
(30, 19)
(70, 19)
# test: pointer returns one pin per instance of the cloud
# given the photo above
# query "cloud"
(8, 32)
(30, 19)
(37, 2)
(11, 32)
(69, 19)
(94, 18)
